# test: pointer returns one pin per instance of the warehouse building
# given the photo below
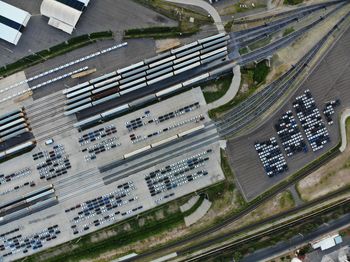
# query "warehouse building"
(63, 14)
(12, 22)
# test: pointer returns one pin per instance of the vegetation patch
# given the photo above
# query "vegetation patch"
(217, 88)
(288, 31)
(292, 2)
(172, 11)
(159, 32)
(251, 79)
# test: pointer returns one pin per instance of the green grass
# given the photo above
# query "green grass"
(160, 32)
(288, 31)
(243, 50)
(65, 47)
(261, 43)
(228, 26)
(254, 77)
(221, 85)
(292, 2)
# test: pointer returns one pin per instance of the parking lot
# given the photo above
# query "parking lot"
(88, 198)
(328, 82)
(38, 35)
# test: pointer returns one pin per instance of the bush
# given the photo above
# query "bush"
(260, 72)
(292, 2)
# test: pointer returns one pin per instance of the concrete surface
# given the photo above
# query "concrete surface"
(199, 213)
(231, 92)
(190, 203)
(345, 114)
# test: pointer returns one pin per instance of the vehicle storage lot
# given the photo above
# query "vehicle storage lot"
(88, 201)
(329, 81)
(39, 35)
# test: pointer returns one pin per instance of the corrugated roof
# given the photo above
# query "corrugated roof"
(63, 16)
(13, 13)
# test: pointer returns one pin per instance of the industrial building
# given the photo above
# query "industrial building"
(63, 14)
(12, 22)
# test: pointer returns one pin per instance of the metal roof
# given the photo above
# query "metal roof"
(12, 21)
(13, 13)
(63, 14)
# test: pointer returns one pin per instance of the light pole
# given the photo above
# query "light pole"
(30, 51)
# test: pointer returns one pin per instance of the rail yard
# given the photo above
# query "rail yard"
(91, 139)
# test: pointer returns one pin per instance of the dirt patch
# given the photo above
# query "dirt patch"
(160, 214)
(330, 177)
(270, 208)
(166, 44)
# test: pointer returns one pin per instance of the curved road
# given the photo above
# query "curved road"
(207, 7)
(344, 117)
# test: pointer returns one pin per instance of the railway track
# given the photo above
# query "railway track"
(239, 117)
(275, 229)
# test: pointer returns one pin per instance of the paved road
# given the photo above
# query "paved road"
(206, 6)
(344, 116)
(231, 92)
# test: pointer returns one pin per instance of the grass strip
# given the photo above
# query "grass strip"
(62, 48)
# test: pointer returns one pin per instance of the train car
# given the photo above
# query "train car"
(165, 60)
(115, 111)
(223, 49)
(142, 101)
(78, 103)
(164, 141)
(105, 93)
(186, 68)
(78, 109)
(211, 38)
(214, 57)
(142, 79)
(20, 147)
(106, 87)
(77, 98)
(184, 47)
(11, 124)
(190, 51)
(187, 62)
(191, 131)
(105, 99)
(131, 67)
(159, 73)
(169, 90)
(195, 79)
(213, 47)
(216, 41)
(123, 92)
(11, 118)
(187, 57)
(17, 133)
(80, 91)
(158, 57)
(17, 111)
(88, 121)
(13, 129)
(103, 77)
(136, 152)
(158, 68)
(129, 79)
(41, 195)
(75, 88)
(135, 71)
(38, 191)
(161, 78)
(107, 81)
